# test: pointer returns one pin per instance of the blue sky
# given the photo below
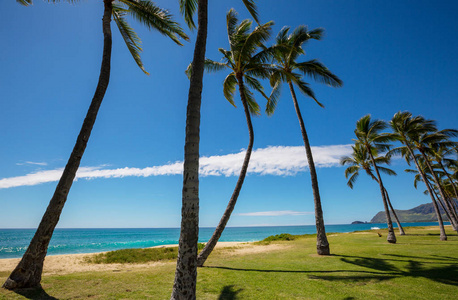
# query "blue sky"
(391, 55)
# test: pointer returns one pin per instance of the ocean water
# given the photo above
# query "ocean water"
(14, 242)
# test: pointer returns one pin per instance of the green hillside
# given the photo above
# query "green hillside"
(421, 213)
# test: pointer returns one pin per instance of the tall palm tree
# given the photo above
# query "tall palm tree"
(359, 160)
(369, 136)
(285, 52)
(406, 129)
(245, 63)
(28, 271)
(184, 286)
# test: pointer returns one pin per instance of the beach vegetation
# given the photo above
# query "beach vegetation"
(137, 255)
(28, 271)
(287, 49)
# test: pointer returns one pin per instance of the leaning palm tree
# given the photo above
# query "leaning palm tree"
(359, 160)
(184, 285)
(368, 136)
(28, 271)
(406, 130)
(285, 53)
(245, 63)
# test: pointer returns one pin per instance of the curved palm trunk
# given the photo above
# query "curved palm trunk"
(184, 286)
(443, 236)
(441, 191)
(28, 272)
(449, 178)
(391, 238)
(322, 245)
(401, 230)
(438, 200)
(203, 255)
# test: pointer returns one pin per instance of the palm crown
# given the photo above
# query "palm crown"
(285, 53)
(243, 60)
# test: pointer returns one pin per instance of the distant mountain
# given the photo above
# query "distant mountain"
(421, 213)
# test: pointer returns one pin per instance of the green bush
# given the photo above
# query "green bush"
(129, 256)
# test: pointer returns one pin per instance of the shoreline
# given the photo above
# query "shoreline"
(71, 263)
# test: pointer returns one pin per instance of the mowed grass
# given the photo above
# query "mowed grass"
(362, 266)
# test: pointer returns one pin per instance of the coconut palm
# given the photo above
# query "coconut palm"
(28, 271)
(368, 135)
(184, 286)
(359, 160)
(245, 63)
(429, 182)
(438, 152)
(426, 140)
(286, 51)
(407, 129)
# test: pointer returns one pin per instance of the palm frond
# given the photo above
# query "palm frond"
(256, 85)
(305, 89)
(252, 9)
(273, 98)
(229, 84)
(352, 180)
(24, 2)
(128, 34)
(387, 171)
(187, 9)
(319, 72)
(251, 102)
(213, 66)
(155, 18)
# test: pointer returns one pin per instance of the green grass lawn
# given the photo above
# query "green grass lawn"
(362, 266)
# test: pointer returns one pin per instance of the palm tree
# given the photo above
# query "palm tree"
(360, 160)
(184, 286)
(245, 65)
(285, 53)
(368, 135)
(406, 129)
(429, 180)
(28, 271)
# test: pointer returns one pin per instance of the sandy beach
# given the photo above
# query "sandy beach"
(72, 263)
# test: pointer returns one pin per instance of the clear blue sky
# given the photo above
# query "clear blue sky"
(391, 55)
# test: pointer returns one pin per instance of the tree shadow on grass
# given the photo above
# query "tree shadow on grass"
(438, 259)
(444, 274)
(35, 294)
(229, 293)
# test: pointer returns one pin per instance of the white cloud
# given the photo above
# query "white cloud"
(32, 163)
(273, 160)
(276, 213)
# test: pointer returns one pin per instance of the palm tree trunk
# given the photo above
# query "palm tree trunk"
(452, 219)
(230, 206)
(443, 236)
(438, 200)
(27, 273)
(391, 238)
(449, 178)
(322, 245)
(184, 286)
(451, 204)
(401, 230)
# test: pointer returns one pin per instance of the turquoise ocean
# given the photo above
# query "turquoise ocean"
(14, 242)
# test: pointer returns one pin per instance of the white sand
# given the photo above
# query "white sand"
(71, 263)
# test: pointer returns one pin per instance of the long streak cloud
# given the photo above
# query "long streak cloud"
(273, 160)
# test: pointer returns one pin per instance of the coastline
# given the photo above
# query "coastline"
(71, 263)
